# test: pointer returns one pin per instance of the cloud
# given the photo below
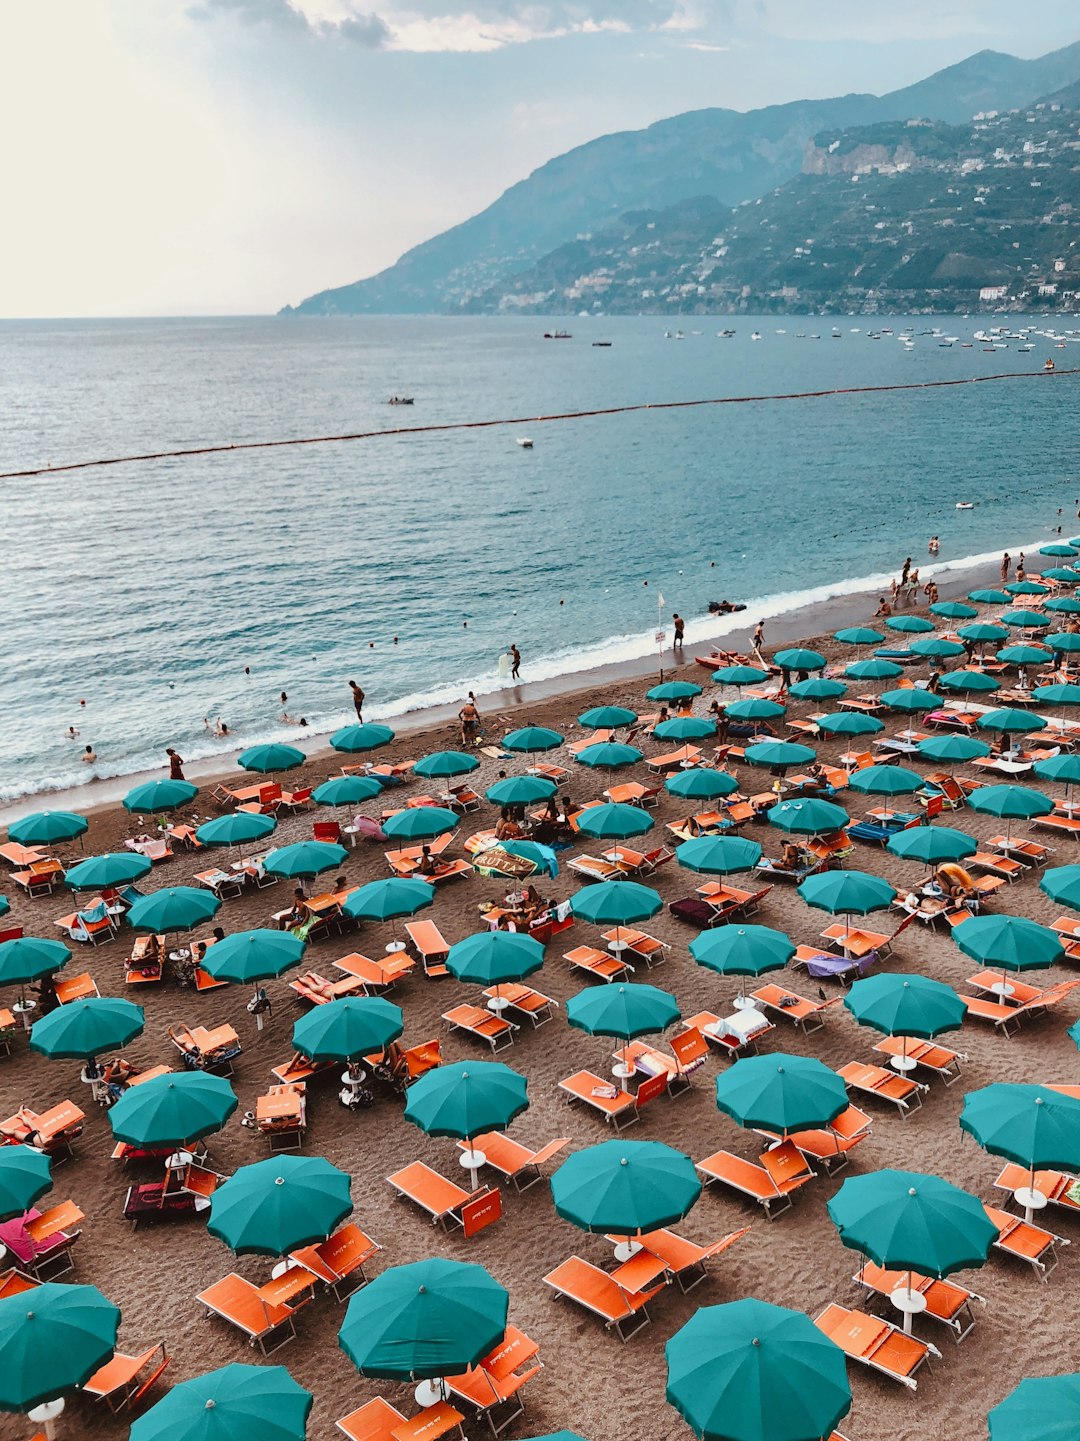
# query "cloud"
(370, 31)
(705, 45)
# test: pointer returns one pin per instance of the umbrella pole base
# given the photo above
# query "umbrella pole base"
(430, 1393)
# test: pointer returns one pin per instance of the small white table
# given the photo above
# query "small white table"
(902, 1063)
(395, 946)
(622, 1071)
(624, 1250)
(178, 1159)
(744, 1003)
(22, 1011)
(430, 1393)
(47, 1414)
(1003, 989)
(1030, 1199)
(497, 1004)
(910, 1303)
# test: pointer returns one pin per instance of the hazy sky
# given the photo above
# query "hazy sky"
(200, 156)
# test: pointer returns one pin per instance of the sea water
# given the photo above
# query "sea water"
(175, 590)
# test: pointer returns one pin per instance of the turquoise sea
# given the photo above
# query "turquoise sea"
(410, 564)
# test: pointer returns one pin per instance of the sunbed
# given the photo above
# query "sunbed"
(1003, 1016)
(375, 1420)
(619, 1110)
(772, 1183)
(808, 1014)
(338, 1262)
(40, 878)
(633, 793)
(376, 977)
(514, 1161)
(201, 1049)
(685, 1261)
(876, 1343)
(430, 947)
(75, 988)
(1056, 1186)
(906, 1095)
(674, 760)
(493, 1386)
(522, 999)
(830, 1145)
(53, 1131)
(14, 1282)
(996, 865)
(688, 1051)
(733, 1035)
(482, 1024)
(443, 1200)
(266, 1322)
(222, 883)
(1025, 1241)
(595, 868)
(41, 1242)
(821, 964)
(946, 1302)
(123, 1380)
(624, 1312)
(601, 964)
(408, 1065)
(1029, 853)
(932, 1057)
(1064, 825)
(638, 945)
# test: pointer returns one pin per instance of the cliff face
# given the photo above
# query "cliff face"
(861, 160)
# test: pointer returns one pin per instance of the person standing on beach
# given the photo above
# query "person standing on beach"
(515, 667)
(904, 572)
(469, 717)
(1006, 562)
(680, 627)
(176, 765)
(758, 639)
(357, 700)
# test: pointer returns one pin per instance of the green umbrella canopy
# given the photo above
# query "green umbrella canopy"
(52, 1339)
(754, 708)
(355, 739)
(563, 1435)
(1008, 719)
(854, 893)
(616, 903)
(742, 950)
(859, 635)
(1027, 587)
(886, 781)
(174, 908)
(273, 1206)
(1010, 802)
(899, 1005)
(1042, 1408)
(306, 858)
(346, 791)
(686, 728)
(874, 670)
(607, 717)
(235, 829)
(614, 822)
(738, 675)
(808, 817)
(625, 1187)
(953, 748)
(779, 754)
(1057, 548)
(47, 828)
(718, 855)
(1030, 1125)
(5, 905)
(84, 1029)
(348, 1027)
(990, 596)
(953, 610)
(1065, 640)
(385, 900)
(430, 1318)
(492, 957)
(909, 1221)
(26, 958)
(751, 1371)
(674, 690)
(818, 688)
(154, 797)
(1062, 884)
(1012, 943)
(608, 755)
(1066, 694)
(249, 956)
(420, 823)
(780, 1093)
(25, 1174)
(532, 739)
(624, 1010)
(799, 659)
(935, 647)
(234, 1403)
(1024, 655)
(1059, 768)
(542, 857)
(915, 700)
(850, 723)
(445, 763)
(1073, 1034)
(119, 869)
(169, 1110)
(1025, 619)
(520, 791)
(910, 624)
(701, 783)
(1064, 604)
(932, 845)
(466, 1099)
(968, 682)
(983, 632)
(271, 757)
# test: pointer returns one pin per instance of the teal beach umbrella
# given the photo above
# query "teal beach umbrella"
(808, 817)
(609, 755)
(689, 727)
(754, 708)
(249, 956)
(1064, 640)
(389, 899)
(25, 1174)
(739, 675)
(1009, 720)
(1026, 620)
(172, 1109)
(236, 829)
(849, 893)
(1024, 655)
(779, 754)
(442, 764)
(1010, 803)
(607, 717)
(623, 1010)
(614, 822)
(1059, 768)
(174, 908)
(818, 688)
(1063, 695)
(420, 823)
(306, 858)
(347, 1028)
(520, 791)
(1041, 1408)
(952, 748)
(355, 739)
(905, 1006)
(968, 682)
(915, 701)
(625, 1187)
(751, 1371)
(780, 1093)
(466, 1100)
(1056, 548)
(346, 791)
(271, 1207)
(85, 1029)
(874, 670)
(532, 739)
(155, 797)
(953, 610)
(886, 781)
(542, 857)
(742, 950)
(234, 1403)
(1064, 604)
(1032, 1126)
(850, 723)
(616, 903)
(27, 958)
(718, 855)
(859, 635)
(1026, 587)
(910, 624)
(269, 758)
(701, 783)
(674, 690)
(491, 957)
(934, 647)
(1010, 943)
(47, 828)
(932, 844)
(52, 1339)
(799, 659)
(983, 632)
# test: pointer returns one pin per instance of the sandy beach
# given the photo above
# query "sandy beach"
(590, 1382)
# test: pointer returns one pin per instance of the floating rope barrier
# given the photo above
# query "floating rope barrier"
(445, 426)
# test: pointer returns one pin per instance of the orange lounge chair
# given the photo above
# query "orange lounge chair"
(876, 1343)
(533, 1005)
(596, 963)
(1033, 1244)
(771, 1184)
(718, 1033)
(945, 1300)
(293, 1072)
(339, 1260)
(1064, 825)
(245, 1307)
(123, 1380)
(1030, 853)
(688, 1052)
(376, 1420)
(831, 1145)
(514, 1161)
(673, 760)
(596, 1291)
(318, 990)
(481, 1023)
(686, 1261)
(1054, 1185)
(938, 1059)
(638, 945)
(430, 946)
(401, 1067)
(906, 1095)
(618, 1110)
(75, 988)
(443, 1200)
(376, 976)
(633, 793)
(595, 868)
(810, 1015)
(494, 1384)
(995, 865)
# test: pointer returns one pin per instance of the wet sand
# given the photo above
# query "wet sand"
(590, 1382)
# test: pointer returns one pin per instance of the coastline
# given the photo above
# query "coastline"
(802, 622)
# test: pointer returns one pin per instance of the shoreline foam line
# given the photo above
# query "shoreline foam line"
(451, 425)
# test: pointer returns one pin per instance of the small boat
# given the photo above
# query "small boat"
(756, 335)
(400, 400)
(965, 505)
(525, 442)
(557, 335)
(601, 344)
